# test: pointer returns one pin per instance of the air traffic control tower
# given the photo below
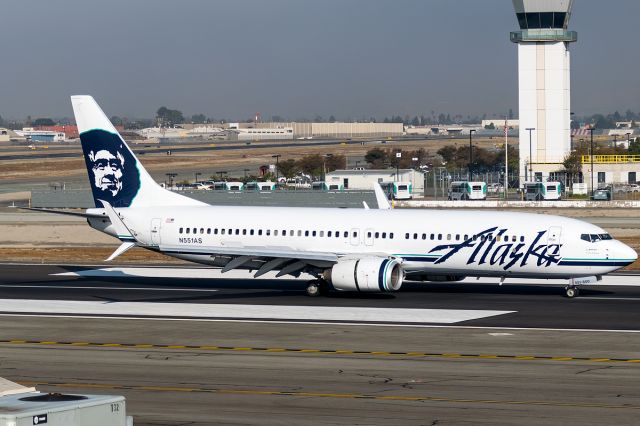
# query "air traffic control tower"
(544, 85)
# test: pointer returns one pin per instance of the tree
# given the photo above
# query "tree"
(44, 122)
(634, 147)
(311, 164)
(167, 117)
(573, 165)
(376, 157)
(198, 119)
(288, 168)
(116, 121)
(334, 162)
(332, 119)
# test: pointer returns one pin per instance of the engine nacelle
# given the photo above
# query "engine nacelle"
(366, 274)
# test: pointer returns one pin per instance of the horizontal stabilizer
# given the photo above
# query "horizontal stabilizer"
(122, 232)
(124, 247)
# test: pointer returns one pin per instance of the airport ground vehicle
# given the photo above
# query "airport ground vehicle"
(359, 250)
(324, 186)
(462, 190)
(602, 195)
(398, 190)
(540, 191)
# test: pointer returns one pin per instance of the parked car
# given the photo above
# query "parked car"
(602, 195)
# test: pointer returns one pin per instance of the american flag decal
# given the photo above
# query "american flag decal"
(169, 220)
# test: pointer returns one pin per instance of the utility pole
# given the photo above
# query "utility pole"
(591, 130)
(530, 129)
(470, 153)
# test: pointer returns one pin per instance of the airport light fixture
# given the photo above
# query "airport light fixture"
(591, 130)
(470, 152)
(277, 157)
(171, 176)
(530, 129)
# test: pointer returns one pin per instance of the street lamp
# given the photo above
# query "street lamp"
(591, 130)
(470, 152)
(171, 176)
(277, 157)
(197, 174)
(221, 172)
(324, 167)
(530, 129)
(398, 157)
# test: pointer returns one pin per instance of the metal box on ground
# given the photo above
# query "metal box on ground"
(34, 408)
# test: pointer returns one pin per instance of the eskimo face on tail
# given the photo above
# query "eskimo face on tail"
(113, 171)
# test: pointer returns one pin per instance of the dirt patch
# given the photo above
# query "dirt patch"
(86, 255)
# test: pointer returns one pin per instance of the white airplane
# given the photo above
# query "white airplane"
(365, 250)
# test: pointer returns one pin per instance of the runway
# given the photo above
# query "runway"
(261, 352)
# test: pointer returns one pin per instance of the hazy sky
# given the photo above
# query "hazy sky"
(298, 58)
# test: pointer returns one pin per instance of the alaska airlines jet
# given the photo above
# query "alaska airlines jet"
(360, 250)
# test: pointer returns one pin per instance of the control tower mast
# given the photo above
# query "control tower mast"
(544, 85)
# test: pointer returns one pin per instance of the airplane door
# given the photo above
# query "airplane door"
(554, 235)
(355, 237)
(155, 231)
(368, 237)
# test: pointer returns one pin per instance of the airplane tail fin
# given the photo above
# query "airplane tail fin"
(115, 174)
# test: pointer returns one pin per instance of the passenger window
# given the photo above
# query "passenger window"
(424, 236)
(329, 234)
(237, 232)
(337, 234)
(230, 232)
(244, 232)
(415, 236)
(291, 233)
(202, 230)
(522, 238)
(391, 235)
(439, 237)
(259, 231)
(457, 237)
(195, 230)
(268, 232)
(322, 233)
(306, 233)
(313, 233)
(299, 233)
(208, 231)
(433, 236)
(251, 232)
(448, 237)
(222, 231)
(346, 234)
(377, 235)
(384, 235)
(180, 231)
(368, 234)
(275, 232)
(188, 230)
(466, 237)
(355, 235)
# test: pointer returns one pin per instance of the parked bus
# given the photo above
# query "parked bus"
(538, 191)
(467, 191)
(324, 186)
(398, 190)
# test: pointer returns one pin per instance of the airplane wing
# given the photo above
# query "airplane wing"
(287, 260)
(64, 212)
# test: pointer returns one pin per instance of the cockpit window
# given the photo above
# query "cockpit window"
(595, 237)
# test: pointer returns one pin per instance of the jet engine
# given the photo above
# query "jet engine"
(366, 274)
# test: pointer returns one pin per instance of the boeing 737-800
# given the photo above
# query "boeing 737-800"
(365, 250)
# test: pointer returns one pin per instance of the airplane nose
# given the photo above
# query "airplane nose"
(626, 253)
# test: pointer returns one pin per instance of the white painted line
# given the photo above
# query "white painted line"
(232, 311)
(337, 323)
(114, 287)
(194, 273)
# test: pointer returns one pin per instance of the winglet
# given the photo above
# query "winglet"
(123, 233)
(381, 198)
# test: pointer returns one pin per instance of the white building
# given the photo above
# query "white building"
(41, 135)
(366, 178)
(544, 84)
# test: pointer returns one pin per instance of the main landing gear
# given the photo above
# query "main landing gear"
(317, 288)
(571, 291)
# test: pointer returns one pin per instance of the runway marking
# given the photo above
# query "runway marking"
(245, 312)
(343, 352)
(302, 394)
(114, 287)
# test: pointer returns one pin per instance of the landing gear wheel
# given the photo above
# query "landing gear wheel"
(314, 289)
(571, 292)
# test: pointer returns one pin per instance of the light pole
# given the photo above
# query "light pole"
(591, 130)
(197, 174)
(628, 141)
(470, 153)
(277, 157)
(530, 129)
(171, 176)
(615, 141)
(324, 167)
(398, 157)
(221, 172)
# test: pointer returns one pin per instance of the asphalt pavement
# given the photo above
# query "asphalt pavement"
(204, 351)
